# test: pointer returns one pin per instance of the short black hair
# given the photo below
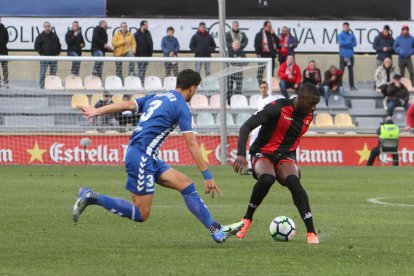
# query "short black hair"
(187, 78)
(309, 89)
(170, 29)
(143, 22)
(345, 23)
(263, 82)
(201, 24)
(265, 23)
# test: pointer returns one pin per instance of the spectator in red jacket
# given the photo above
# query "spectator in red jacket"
(290, 76)
(410, 117)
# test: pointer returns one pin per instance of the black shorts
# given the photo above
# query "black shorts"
(276, 160)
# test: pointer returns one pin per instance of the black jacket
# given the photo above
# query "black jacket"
(99, 39)
(74, 42)
(395, 93)
(4, 39)
(145, 46)
(258, 45)
(237, 54)
(202, 44)
(380, 42)
(229, 39)
(48, 44)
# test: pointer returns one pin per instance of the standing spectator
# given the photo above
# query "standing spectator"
(404, 47)
(145, 47)
(47, 44)
(107, 119)
(99, 46)
(347, 42)
(383, 45)
(203, 45)
(237, 77)
(290, 76)
(287, 44)
(124, 45)
(266, 45)
(170, 48)
(332, 83)
(384, 75)
(236, 35)
(312, 74)
(410, 118)
(397, 95)
(74, 40)
(4, 39)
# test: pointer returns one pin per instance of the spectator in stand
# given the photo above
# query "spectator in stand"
(4, 39)
(127, 118)
(347, 42)
(237, 77)
(397, 95)
(203, 45)
(170, 48)
(312, 74)
(410, 118)
(107, 119)
(383, 45)
(99, 46)
(290, 76)
(404, 48)
(332, 83)
(74, 40)
(124, 45)
(266, 46)
(236, 35)
(287, 44)
(384, 75)
(145, 47)
(47, 44)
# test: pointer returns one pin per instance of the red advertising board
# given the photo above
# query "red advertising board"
(110, 150)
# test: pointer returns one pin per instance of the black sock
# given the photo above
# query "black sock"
(301, 200)
(259, 192)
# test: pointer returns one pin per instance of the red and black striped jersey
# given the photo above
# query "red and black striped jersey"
(281, 128)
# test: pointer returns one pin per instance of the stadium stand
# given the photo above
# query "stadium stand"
(117, 98)
(73, 82)
(53, 83)
(323, 120)
(199, 101)
(153, 83)
(170, 82)
(93, 83)
(238, 102)
(79, 99)
(113, 83)
(132, 83)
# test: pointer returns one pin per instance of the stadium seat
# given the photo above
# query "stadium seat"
(210, 84)
(241, 118)
(170, 83)
(117, 98)
(238, 101)
(368, 122)
(321, 104)
(250, 84)
(199, 101)
(93, 83)
(336, 101)
(275, 84)
(229, 119)
(254, 101)
(79, 99)
(135, 96)
(323, 120)
(113, 83)
(215, 101)
(205, 119)
(111, 132)
(343, 120)
(53, 83)
(95, 98)
(407, 83)
(152, 83)
(399, 116)
(73, 82)
(132, 83)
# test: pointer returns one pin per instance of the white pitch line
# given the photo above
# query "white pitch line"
(378, 200)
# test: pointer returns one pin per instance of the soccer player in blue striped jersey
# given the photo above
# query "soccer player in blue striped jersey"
(160, 114)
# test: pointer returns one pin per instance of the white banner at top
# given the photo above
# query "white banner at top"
(313, 35)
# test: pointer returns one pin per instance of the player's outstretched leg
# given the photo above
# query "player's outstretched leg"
(117, 206)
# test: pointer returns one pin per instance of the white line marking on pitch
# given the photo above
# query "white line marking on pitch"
(378, 200)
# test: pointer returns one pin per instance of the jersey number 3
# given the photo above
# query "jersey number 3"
(152, 107)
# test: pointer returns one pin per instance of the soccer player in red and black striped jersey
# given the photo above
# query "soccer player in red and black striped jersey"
(273, 152)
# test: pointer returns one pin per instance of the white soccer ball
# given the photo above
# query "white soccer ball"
(282, 228)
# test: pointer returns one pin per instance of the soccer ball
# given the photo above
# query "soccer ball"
(282, 228)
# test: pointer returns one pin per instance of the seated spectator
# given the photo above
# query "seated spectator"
(312, 74)
(127, 118)
(237, 77)
(410, 118)
(107, 119)
(290, 76)
(332, 83)
(384, 75)
(397, 95)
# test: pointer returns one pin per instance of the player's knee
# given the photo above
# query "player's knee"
(293, 184)
(144, 214)
(267, 179)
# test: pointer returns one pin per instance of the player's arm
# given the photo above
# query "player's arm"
(90, 112)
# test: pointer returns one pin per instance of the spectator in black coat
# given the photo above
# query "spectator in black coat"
(47, 44)
(203, 45)
(397, 95)
(237, 76)
(383, 45)
(266, 45)
(99, 46)
(235, 34)
(145, 47)
(74, 40)
(4, 39)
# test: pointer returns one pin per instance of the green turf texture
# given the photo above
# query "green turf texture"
(37, 236)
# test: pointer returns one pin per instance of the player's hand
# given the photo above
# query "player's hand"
(240, 164)
(211, 187)
(88, 112)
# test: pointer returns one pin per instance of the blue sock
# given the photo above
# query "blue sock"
(196, 205)
(117, 206)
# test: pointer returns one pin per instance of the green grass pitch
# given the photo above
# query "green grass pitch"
(37, 236)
